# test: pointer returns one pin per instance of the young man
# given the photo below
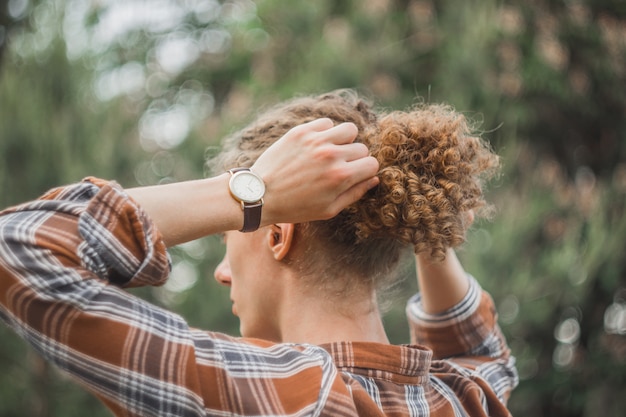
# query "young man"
(304, 276)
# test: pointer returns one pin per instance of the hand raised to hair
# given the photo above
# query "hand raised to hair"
(314, 171)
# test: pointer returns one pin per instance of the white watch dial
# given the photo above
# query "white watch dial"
(247, 186)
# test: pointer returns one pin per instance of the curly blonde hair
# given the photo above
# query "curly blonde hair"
(432, 172)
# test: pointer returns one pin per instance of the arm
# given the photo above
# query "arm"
(311, 173)
(454, 317)
(443, 284)
(58, 256)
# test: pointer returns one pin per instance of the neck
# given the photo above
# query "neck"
(317, 319)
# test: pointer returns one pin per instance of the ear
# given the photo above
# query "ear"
(280, 238)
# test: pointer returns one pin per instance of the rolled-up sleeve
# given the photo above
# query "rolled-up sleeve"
(59, 256)
(467, 335)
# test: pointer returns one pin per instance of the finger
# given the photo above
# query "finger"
(362, 169)
(469, 218)
(317, 125)
(342, 133)
(352, 195)
(353, 151)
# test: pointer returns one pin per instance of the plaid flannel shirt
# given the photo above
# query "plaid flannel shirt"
(65, 257)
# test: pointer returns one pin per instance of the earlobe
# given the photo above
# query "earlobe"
(280, 239)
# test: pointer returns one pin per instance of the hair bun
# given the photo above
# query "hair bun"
(432, 170)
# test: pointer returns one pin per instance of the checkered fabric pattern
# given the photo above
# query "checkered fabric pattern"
(65, 258)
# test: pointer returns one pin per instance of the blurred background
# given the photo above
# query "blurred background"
(141, 91)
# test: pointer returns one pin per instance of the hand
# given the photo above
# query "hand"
(314, 172)
(311, 173)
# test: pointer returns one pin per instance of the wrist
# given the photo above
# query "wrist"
(248, 189)
(442, 283)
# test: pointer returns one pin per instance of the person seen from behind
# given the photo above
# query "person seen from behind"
(319, 201)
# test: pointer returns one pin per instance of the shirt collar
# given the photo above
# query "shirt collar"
(400, 364)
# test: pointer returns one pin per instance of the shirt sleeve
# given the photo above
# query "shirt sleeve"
(468, 338)
(63, 259)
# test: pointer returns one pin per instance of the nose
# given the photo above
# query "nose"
(222, 272)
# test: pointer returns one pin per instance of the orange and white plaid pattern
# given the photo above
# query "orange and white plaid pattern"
(65, 258)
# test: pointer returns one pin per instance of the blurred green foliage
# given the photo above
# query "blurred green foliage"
(138, 93)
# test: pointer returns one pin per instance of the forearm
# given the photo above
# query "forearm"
(311, 173)
(442, 284)
(467, 334)
(454, 317)
(189, 210)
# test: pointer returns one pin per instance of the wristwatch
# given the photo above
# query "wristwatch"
(248, 189)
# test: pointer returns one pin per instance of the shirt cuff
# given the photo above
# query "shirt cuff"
(122, 245)
(461, 311)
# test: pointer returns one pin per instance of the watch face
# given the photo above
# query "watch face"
(247, 186)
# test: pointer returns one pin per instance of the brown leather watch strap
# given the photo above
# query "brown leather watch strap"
(251, 216)
(251, 209)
